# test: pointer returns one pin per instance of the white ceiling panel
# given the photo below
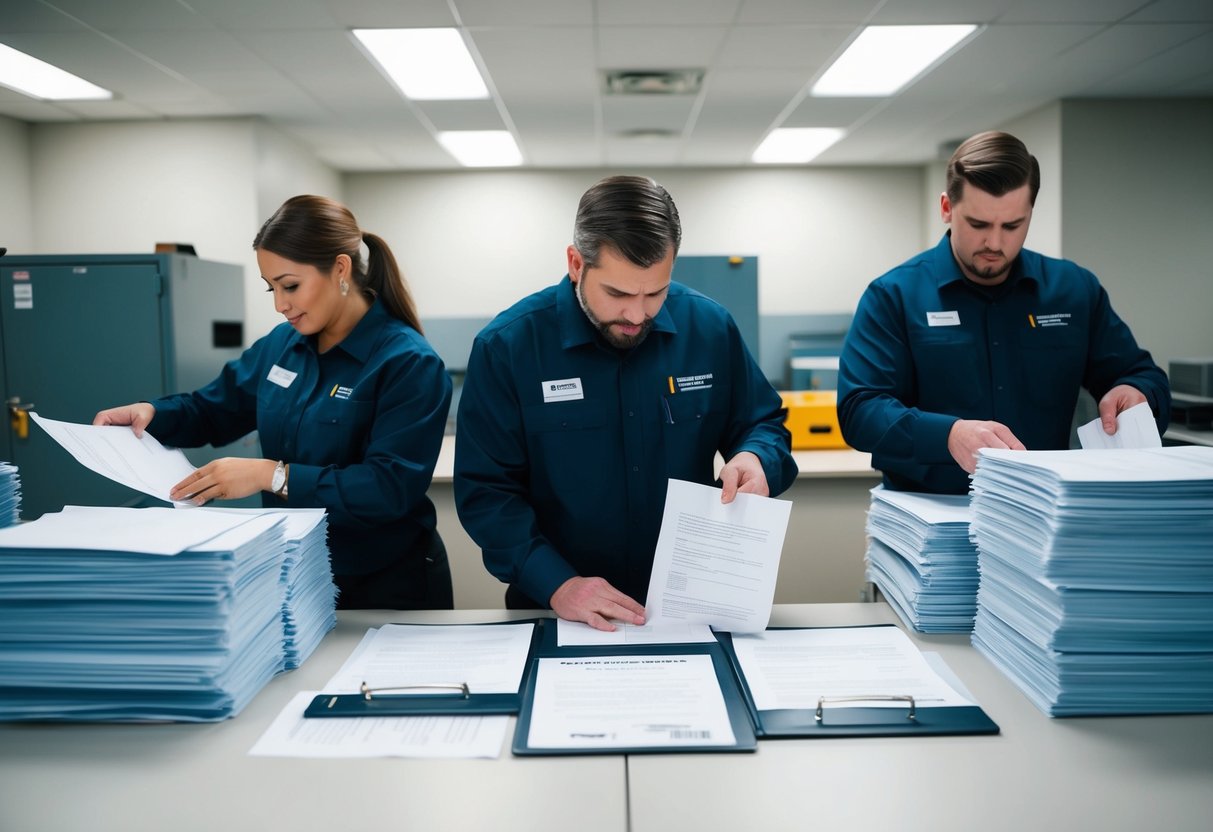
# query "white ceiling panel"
(784, 47)
(541, 13)
(791, 12)
(666, 13)
(658, 47)
(293, 63)
(1070, 11)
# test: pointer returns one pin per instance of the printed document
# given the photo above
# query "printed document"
(628, 702)
(113, 451)
(716, 564)
(490, 658)
(793, 668)
(1135, 428)
(291, 735)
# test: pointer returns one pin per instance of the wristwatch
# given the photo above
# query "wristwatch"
(278, 482)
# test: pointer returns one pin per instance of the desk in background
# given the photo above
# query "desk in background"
(823, 552)
(1107, 774)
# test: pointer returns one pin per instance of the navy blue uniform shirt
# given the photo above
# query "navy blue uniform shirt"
(360, 425)
(564, 444)
(927, 348)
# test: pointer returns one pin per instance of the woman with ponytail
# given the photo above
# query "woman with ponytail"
(350, 403)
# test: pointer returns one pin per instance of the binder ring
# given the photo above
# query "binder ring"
(821, 701)
(453, 687)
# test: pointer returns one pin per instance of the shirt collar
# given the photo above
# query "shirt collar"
(575, 327)
(1025, 268)
(364, 337)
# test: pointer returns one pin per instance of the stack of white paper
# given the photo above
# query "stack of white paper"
(138, 614)
(308, 592)
(10, 494)
(310, 600)
(921, 557)
(1097, 577)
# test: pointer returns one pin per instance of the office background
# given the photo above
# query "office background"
(1126, 176)
(1126, 189)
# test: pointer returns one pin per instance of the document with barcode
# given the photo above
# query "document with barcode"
(607, 702)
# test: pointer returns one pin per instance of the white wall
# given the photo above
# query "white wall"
(16, 191)
(1137, 179)
(122, 187)
(473, 243)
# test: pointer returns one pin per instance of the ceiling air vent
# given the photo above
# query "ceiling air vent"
(653, 82)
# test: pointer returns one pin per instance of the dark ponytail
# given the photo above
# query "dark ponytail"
(383, 277)
(314, 230)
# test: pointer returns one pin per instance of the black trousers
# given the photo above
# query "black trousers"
(410, 583)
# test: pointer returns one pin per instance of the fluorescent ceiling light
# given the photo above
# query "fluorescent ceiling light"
(38, 79)
(795, 145)
(482, 148)
(425, 64)
(883, 59)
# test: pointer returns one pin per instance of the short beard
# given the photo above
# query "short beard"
(622, 342)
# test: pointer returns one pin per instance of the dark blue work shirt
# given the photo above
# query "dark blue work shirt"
(927, 347)
(564, 444)
(360, 425)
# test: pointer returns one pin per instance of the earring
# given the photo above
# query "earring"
(345, 288)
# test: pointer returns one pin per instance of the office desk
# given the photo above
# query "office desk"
(179, 778)
(1106, 774)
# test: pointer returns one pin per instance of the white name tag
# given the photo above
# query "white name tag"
(562, 390)
(943, 318)
(281, 377)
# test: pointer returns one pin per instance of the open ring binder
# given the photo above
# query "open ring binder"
(833, 700)
(460, 687)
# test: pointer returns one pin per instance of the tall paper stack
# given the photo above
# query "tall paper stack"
(138, 614)
(1096, 569)
(920, 556)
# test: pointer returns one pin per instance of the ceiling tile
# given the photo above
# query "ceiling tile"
(658, 47)
(665, 13)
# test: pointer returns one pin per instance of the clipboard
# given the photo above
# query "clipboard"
(846, 717)
(744, 737)
(439, 699)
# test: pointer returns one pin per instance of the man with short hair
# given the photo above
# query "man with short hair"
(583, 400)
(980, 343)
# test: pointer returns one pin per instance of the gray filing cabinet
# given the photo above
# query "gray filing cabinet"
(82, 333)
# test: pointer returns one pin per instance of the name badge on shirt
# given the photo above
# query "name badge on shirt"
(943, 318)
(562, 390)
(280, 376)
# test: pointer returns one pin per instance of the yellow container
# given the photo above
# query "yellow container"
(813, 419)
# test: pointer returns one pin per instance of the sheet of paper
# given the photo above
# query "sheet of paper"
(578, 634)
(156, 531)
(716, 564)
(490, 658)
(113, 451)
(290, 735)
(628, 702)
(1135, 428)
(793, 668)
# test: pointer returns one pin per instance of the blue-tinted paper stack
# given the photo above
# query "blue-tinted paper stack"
(309, 597)
(10, 494)
(921, 558)
(308, 592)
(1097, 577)
(138, 614)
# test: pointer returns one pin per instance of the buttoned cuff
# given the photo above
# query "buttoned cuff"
(301, 484)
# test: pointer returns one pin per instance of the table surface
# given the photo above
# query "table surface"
(1039, 773)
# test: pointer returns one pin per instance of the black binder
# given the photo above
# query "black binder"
(743, 729)
(453, 699)
(851, 721)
